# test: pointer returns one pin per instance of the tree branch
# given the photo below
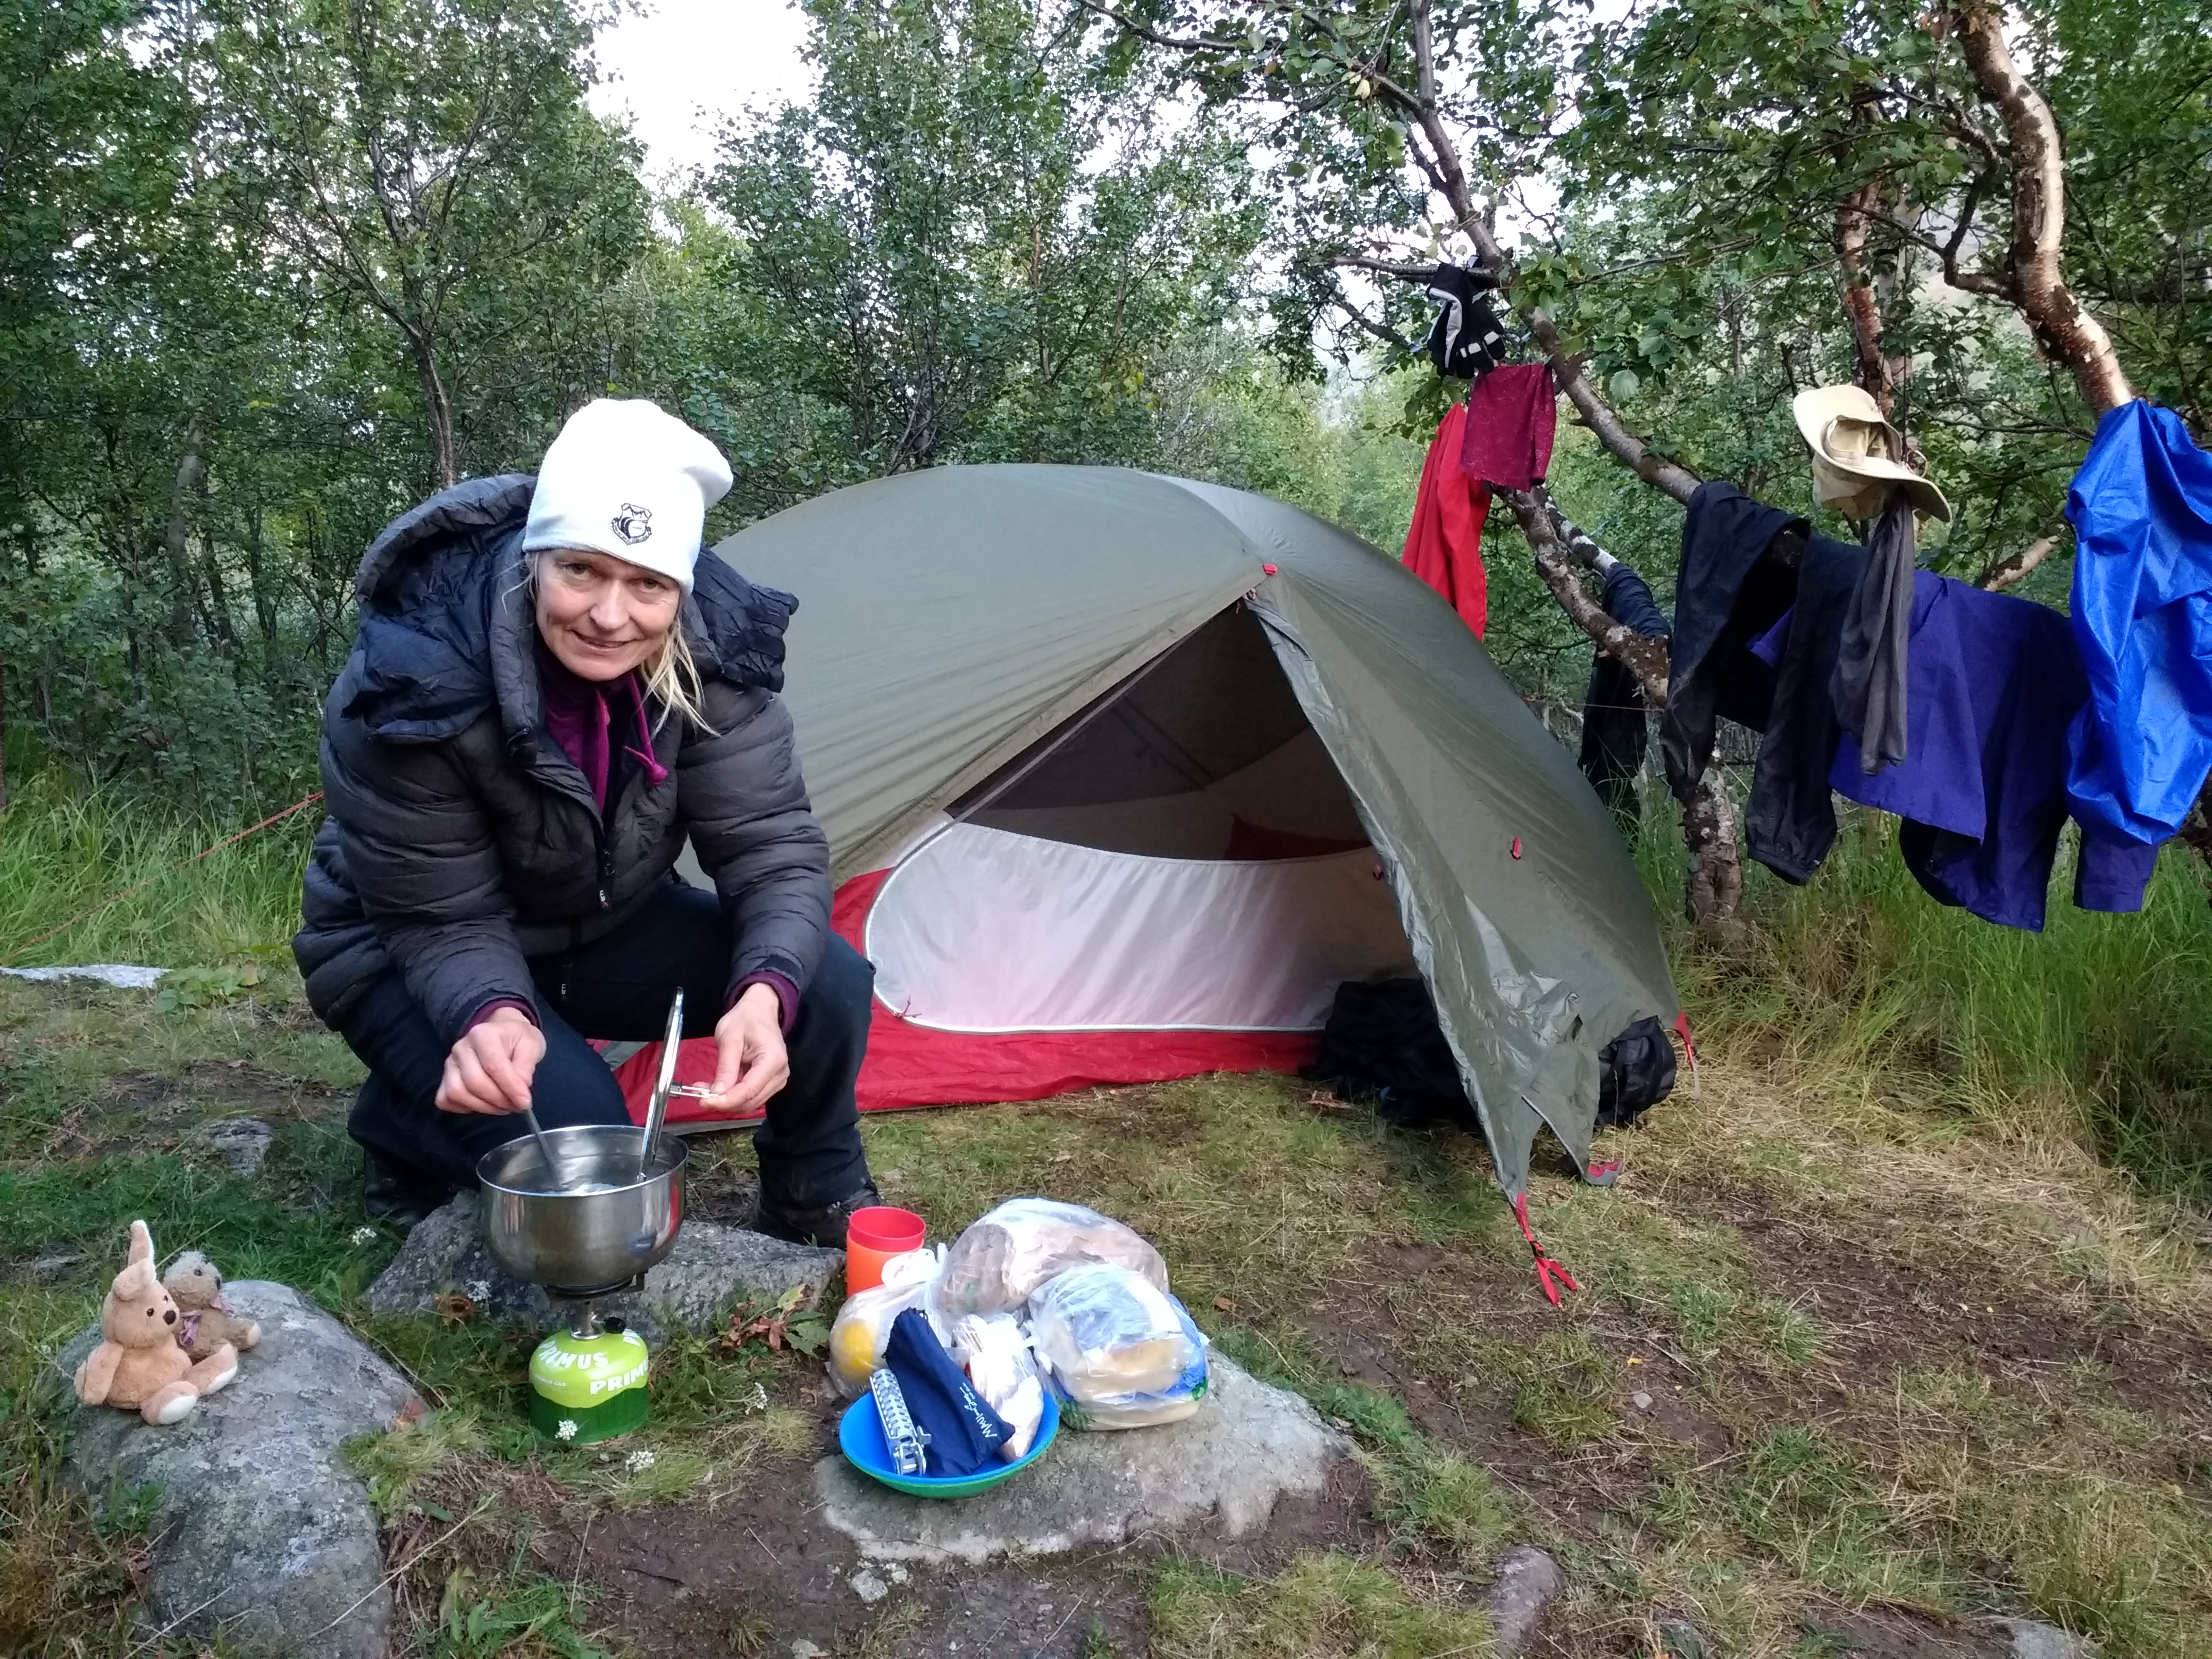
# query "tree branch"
(1388, 268)
(2003, 573)
(1174, 43)
(1382, 331)
(1869, 368)
(2066, 333)
(1645, 657)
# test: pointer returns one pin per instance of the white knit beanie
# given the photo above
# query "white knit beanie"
(626, 478)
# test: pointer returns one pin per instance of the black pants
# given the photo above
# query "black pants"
(618, 989)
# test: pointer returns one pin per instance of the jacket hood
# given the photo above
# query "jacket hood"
(445, 627)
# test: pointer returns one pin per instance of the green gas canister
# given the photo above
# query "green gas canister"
(588, 1384)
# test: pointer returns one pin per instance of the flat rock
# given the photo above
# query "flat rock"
(1678, 1638)
(711, 1267)
(240, 1143)
(1528, 1581)
(1249, 1444)
(261, 1536)
(2032, 1639)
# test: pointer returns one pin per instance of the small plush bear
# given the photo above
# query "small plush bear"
(197, 1288)
(138, 1365)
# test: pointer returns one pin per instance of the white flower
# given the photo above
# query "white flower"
(759, 1401)
(566, 1429)
(479, 1290)
(364, 1236)
(639, 1460)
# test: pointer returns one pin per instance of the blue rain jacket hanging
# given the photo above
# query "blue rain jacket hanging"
(2142, 511)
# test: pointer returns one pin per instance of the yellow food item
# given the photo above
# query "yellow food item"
(854, 1352)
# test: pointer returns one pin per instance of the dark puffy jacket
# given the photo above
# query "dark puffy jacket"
(462, 839)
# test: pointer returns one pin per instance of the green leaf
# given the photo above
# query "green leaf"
(1623, 385)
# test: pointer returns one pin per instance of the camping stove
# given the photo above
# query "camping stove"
(589, 1228)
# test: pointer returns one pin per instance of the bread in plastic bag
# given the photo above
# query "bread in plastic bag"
(863, 1325)
(995, 1351)
(999, 1263)
(1095, 1408)
(1107, 1331)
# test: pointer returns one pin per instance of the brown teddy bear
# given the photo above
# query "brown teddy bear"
(138, 1365)
(197, 1288)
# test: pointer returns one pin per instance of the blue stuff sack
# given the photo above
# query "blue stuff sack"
(964, 1432)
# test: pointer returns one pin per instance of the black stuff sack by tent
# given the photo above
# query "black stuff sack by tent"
(1124, 775)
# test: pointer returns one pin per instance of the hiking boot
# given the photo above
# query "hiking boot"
(396, 1193)
(819, 1223)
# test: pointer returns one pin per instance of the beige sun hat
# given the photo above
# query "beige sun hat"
(1852, 445)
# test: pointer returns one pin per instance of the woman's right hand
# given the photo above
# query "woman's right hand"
(490, 1067)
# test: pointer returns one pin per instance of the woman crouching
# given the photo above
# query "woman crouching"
(550, 694)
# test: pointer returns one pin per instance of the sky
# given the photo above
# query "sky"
(677, 66)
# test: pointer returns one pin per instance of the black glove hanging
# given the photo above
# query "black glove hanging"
(1465, 340)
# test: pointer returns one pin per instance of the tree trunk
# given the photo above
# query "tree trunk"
(256, 578)
(2065, 332)
(192, 473)
(437, 410)
(1869, 366)
(1713, 894)
(1714, 889)
(225, 631)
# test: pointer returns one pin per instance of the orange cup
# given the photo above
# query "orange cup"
(872, 1237)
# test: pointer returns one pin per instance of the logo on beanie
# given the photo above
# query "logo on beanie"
(634, 523)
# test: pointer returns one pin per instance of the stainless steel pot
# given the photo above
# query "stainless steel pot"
(579, 1243)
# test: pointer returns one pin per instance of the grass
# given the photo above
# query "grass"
(62, 856)
(1915, 1283)
(1322, 1607)
(2095, 1033)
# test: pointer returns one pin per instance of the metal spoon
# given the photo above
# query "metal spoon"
(544, 1150)
(657, 1107)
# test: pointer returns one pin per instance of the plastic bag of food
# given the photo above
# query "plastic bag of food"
(999, 1263)
(1104, 1330)
(863, 1325)
(995, 1352)
(1117, 1354)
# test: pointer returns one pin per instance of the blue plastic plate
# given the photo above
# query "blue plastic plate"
(860, 1435)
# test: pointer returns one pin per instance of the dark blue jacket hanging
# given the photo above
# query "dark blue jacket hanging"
(2142, 511)
(1613, 733)
(1995, 685)
(1727, 593)
(1790, 822)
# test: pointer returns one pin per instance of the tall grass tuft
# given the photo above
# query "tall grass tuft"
(61, 856)
(2097, 1030)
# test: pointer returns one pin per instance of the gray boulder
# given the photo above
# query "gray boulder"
(1528, 1581)
(1248, 1444)
(2032, 1639)
(240, 1144)
(262, 1534)
(711, 1267)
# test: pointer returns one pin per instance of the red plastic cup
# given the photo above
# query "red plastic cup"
(872, 1237)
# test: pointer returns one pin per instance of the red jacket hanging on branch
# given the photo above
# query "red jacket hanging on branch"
(1501, 435)
(1443, 545)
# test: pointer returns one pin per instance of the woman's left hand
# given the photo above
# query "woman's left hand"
(751, 1063)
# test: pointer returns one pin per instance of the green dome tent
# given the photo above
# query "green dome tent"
(1109, 757)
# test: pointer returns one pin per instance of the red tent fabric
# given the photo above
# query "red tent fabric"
(911, 1064)
(1444, 545)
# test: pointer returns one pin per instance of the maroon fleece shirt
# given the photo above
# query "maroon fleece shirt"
(579, 715)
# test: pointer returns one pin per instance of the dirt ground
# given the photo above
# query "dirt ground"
(1839, 1379)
